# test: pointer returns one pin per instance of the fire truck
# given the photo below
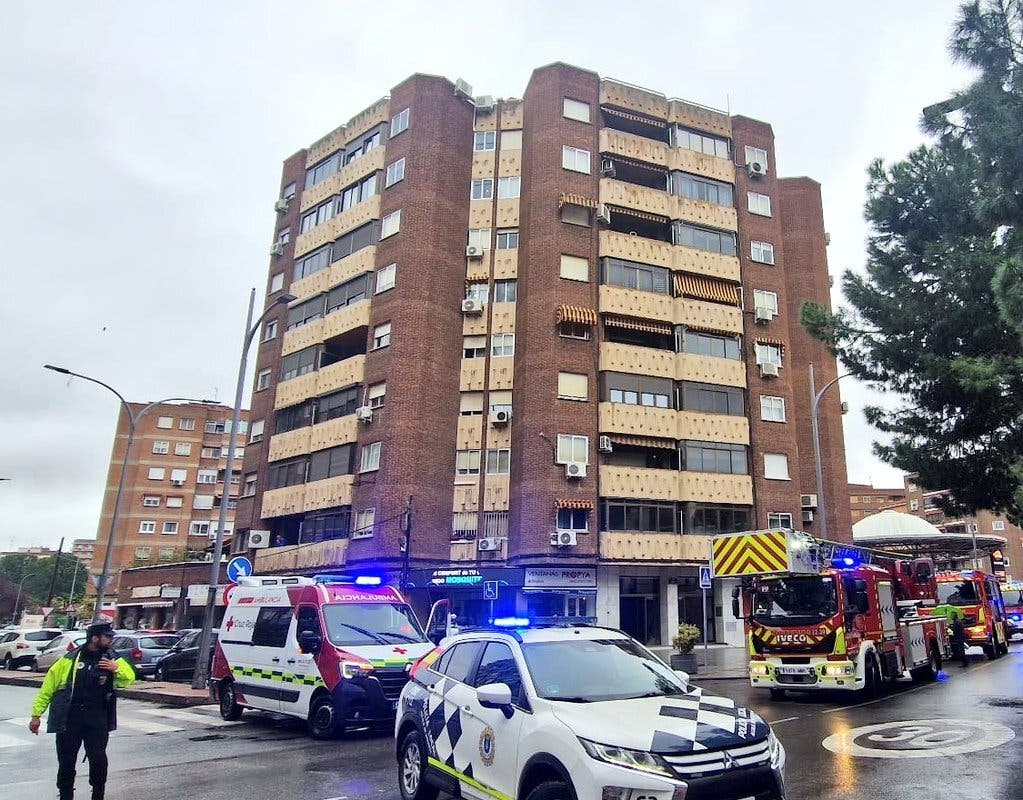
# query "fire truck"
(979, 597)
(1012, 594)
(827, 615)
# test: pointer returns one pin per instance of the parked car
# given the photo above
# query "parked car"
(56, 649)
(143, 650)
(180, 661)
(19, 646)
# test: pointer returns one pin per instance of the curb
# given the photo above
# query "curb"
(145, 695)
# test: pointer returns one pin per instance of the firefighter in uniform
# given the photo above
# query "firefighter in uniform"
(956, 629)
(80, 691)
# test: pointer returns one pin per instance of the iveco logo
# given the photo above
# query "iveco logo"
(730, 763)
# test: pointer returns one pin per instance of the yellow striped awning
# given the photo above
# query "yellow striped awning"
(703, 288)
(576, 200)
(577, 314)
(644, 441)
(631, 162)
(770, 340)
(632, 212)
(633, 324)
(615, 112)
(711, 329)
(571, 502)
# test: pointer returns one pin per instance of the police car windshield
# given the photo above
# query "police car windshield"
(958, 594)
(801, 600)
(589, 671)
(371, 623)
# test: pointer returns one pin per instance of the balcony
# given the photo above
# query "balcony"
(683, 160)
(663, 484)
(331, 553)
(506, 264)
(334, 324)
(637, 360)
(709, 215)
(638, 420)
(662, 547)
(508, 213)
(640, 198)
(329, 493)
(333, 432)
(346, 372)
(633, 98)
(709, 487)
(288, 445)
(700, 118)
(631, 303)
(629, 145)
(664, 254)
(330, 230)
(704, 314)
(469, 434)
(707, 369)
(729, 428)
(483, 164)
(336, 274)
(350, 173)
(284, 501)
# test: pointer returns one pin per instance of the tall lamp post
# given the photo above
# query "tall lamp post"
(815, 401)
(202, 665)
(17, 597)
(133, 420)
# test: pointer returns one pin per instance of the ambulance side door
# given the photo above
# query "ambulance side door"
(300, 670)
(269, 644)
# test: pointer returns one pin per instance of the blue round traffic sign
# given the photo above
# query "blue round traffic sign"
(238, 567)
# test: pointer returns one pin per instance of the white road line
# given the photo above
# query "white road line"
(779, 721)
(196, 717)
(145, 725)
(7, 740)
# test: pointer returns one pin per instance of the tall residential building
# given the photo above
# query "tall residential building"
(562, 329)
(83, 550)
(173, 489)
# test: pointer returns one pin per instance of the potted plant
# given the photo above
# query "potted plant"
(684, 642)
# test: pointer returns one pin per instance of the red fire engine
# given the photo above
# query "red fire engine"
(826, 615)
(978, 595)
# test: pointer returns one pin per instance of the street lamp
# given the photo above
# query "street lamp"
(815, 401)
(17, 597)
(201, 673)
(133, 420)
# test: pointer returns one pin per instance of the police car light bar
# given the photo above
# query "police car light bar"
(510, 622)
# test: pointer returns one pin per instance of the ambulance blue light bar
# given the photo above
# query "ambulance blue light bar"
(333, 578)
(510, 622)
(368, 580)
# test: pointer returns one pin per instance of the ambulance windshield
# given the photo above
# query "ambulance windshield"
(350, 624)
(958, 594)
(801, 600)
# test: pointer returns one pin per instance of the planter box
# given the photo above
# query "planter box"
(686, 663)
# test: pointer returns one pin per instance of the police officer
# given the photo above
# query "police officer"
(80, 691)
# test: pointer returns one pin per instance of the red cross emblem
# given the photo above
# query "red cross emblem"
(400, 651)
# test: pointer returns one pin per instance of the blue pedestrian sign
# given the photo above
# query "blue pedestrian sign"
(704, 577)
(490, 590)
(238, 567)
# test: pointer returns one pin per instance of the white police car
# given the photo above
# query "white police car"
(573, 713)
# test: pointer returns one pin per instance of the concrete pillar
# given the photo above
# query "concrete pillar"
(608, 609)
(669, 612)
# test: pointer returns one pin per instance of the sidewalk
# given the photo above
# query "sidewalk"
(721, 662)
(172, 694)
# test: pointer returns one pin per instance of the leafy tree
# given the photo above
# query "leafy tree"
(938, 316)
(37, 572)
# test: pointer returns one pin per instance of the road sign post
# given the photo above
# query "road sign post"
(705, 584)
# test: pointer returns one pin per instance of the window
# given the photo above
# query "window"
(156, 473)
(147, 526)
(271, 628)
(467, 462)
(772, 409)
(323, 170)
(631, 275)
(143, 553)
(328, 407)
(505, 291)
(256, 431)
(572, 386)
(576, 109)
(573, 519)
(478, 291)
(161, 448)
(385, 278)
(776, 466)
(320, 214)
(370, 457)
(639, 516)
(151, 501)
(170, 527)
(700, 142)
(482, 189)
(759, 203)
(179, 475)
(395, 172)
(573, 448)
(390, 224)
(283, 236)
(375, 395)
(206, 476)
(381, 336)
(704, 239)
(710, 344)
(165, 422)
(186, 424)
(511, 140)
(703, 189)
(287, 473)
(498, 666)
(727, 459)
(470, 404)
(636, 390)
(574, 268)
(574, 159)
(289, 191)
(458, 661)
(175, 502)
(777, 519)
(357, 193)
(498, 461)
(249, 485)
(348, 293)
(712, 519)
(756, 155)
(998, 525)
(276, 282)
(199, 529)
(330, 463)
(474, 346)
(182, 449)
(304, 313)
(480, 237)
(364, 522)
(712, 399)
(203, 501)
(399, 122)
(502, 344)
(300, 363)
(575, 215)
(312, 263)
(508, 239)
(484, 140)
(768, 354)
(765, 299)
(215, 426)
(762, 252)
(508, 188)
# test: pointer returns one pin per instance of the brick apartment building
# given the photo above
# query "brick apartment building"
(174, 486)
(566, 326)
(84, 550)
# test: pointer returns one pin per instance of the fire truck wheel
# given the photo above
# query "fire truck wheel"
(872, 679)
(777, 694)
(930, 670)
(991, 651)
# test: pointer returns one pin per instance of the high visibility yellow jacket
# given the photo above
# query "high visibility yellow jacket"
(58, 676)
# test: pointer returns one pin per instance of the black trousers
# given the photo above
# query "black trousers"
(89, 729)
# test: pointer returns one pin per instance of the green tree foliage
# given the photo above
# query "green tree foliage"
(938, 316)
(37, 573)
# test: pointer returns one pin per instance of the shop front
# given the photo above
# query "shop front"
(476, 594)
(560, 592)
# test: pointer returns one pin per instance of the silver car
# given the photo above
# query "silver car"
(57, 649)
(143, 650)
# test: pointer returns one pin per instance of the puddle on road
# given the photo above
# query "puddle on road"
(1005, 702)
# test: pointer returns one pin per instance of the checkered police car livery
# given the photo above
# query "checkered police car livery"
(573, 713)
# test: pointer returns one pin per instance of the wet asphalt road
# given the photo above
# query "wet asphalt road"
(169, 754)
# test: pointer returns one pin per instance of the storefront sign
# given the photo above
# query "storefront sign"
(170, 592)
(146, 591)
(560, 578)
(455, 577)
(197, 593)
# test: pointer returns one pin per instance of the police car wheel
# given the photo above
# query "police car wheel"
(550, 790)
(412, 769)
(229, 708)
(324, 720)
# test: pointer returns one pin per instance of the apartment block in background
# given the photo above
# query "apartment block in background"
(83, 550)
(562, 329)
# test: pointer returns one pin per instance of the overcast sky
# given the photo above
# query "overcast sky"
(141, 143)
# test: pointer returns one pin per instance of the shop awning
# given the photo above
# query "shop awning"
(706, 289)
(614, 112)
(576, 200)
(644, 441)
(572, 502)
(633, 212)
(577, 314)
(634, 324)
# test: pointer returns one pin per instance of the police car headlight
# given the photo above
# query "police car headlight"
(630, 759)
(775, 749)
(355, 669)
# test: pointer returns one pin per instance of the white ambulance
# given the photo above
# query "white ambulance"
(332, 650)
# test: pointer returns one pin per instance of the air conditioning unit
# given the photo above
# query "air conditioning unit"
(575, 469)
(607, 168)
(489, 544)
(756, 169)
(474, 251)
(500, 418)
(259, 539)
(807, 515)
(277, 249)
(763, 314)
(604, 444)
(603, 214)
(463, 88)
(808, 501)
(845, 407)
(484, 102)
(364, 414)
(281, 206)
(768, 370)
(564, 538)
(472, 306)
(177, 483)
